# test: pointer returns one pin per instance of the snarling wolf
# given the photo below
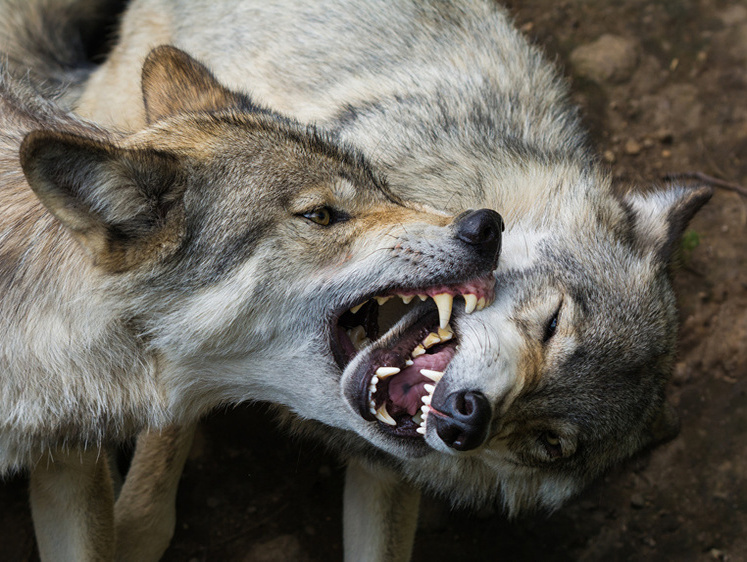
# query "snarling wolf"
(564, 374)
(147, 278)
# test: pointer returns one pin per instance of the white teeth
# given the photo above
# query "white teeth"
(419, 350)
(431, 340)
(418, 418)
(423, 297)
(445, 333)
(383, 415)
(444, 302)
(425, 408)
(384, 372)
(421, 430)
(481, 303)
(382, 300)
(358, 337)
(409, 363)
(429, 388)
(435, 376)
(372, 407)
(470, 302)
(357, 307)
(426, 399)
(407, 299)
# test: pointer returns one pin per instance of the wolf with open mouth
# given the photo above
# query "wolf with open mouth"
(527, 399)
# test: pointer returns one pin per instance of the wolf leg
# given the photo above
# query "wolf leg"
(72, 504)
(145, 512)
(380, 514)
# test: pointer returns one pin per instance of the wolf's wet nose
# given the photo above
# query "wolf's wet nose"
(481, 228)
(462, 419)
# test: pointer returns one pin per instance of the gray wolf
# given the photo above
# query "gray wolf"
(207, 259)
(564, 374)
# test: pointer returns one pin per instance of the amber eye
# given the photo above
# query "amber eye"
(321, 216)
(552, 444)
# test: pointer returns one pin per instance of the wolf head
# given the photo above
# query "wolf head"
(232, 242)
(563, 375)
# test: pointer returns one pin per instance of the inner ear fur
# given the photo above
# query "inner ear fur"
(173, 82)
(122, 205)
(660, 217)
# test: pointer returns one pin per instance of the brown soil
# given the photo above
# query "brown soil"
(676, 102)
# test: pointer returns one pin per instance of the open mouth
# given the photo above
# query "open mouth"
(394, 382)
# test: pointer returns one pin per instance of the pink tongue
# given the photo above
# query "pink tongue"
(406, 387)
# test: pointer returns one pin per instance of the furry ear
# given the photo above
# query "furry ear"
(659, 218)
(173, 82)
(121, 205)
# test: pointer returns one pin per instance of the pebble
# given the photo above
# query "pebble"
(637, 501)
(632, 147)
(610, 58)
(280, 549)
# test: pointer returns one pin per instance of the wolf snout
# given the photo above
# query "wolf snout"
(482, 229)
(462, 419)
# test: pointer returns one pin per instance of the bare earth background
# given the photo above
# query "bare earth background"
(662, 84)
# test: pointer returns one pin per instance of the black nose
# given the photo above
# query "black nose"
(482, 228)
(462, 420)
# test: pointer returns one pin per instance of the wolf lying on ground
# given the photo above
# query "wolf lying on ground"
(147, 278)
(567, 368)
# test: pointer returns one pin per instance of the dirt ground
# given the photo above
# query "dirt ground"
(664, 92)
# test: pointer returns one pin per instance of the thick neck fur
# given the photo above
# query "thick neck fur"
(61, 319)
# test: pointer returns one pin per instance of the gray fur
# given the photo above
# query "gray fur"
(458, 111)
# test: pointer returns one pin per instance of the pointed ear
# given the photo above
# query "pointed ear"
(659, 218)
(173, 82)
(123, 206)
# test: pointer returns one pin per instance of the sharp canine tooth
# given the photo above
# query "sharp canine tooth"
(435, 376)
(384, 372)
(419, 350)
(382, 300)
(407, 299)
(409, 363)
(445, 333)
(429, 388)
(481, 303)
(357, 307)
(470, 302)
(444, 302)
(431, 340)
(383, 415)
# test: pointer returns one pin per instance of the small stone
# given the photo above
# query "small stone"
(632, 147)
(637, 501)
(279, 549)
(610, 58)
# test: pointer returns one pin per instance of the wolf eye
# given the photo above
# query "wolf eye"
(551, 327)
(551, 442)
(321, 216)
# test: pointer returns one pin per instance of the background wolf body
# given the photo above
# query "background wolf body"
(137, 275)
(458, 111)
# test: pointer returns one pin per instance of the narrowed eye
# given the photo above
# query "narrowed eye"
(551, 441)
(321, 215)
(551, 327)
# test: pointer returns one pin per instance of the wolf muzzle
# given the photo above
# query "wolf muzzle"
(462, 419)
